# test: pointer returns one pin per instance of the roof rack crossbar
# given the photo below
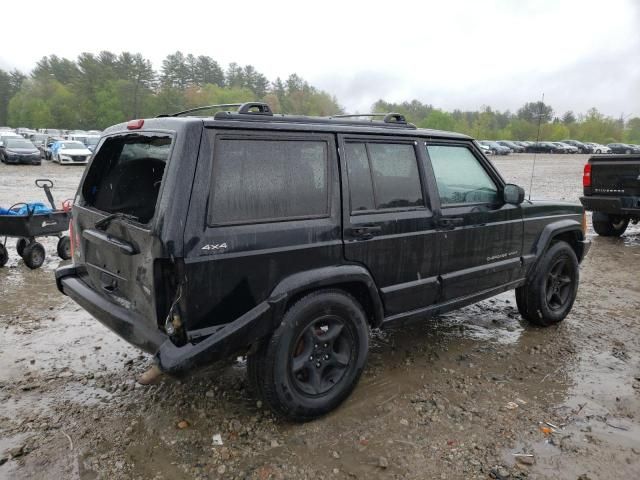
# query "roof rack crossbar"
(355, 115)
(252, 108)
(387, 117)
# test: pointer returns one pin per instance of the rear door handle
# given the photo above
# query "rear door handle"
(449, 223)
(365, 232)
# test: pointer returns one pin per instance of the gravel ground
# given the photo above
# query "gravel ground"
(476, 393)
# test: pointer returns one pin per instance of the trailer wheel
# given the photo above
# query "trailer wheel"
(64, 248)
(4, 255)
(21, 244)
(33, 255)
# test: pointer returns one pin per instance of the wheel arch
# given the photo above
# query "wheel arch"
(569, 231)
(353, 279)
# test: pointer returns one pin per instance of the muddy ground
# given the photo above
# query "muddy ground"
(454, 397)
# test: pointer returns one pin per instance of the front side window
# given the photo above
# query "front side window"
(460, 176)
(260, 180)
(383, 175)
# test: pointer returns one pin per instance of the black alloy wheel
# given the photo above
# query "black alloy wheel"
(559, 284)
(321, 355)
(548, 295)
(314, 359)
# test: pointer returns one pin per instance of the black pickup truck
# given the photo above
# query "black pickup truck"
(612, 192)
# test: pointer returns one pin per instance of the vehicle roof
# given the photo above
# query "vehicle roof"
(291, 123)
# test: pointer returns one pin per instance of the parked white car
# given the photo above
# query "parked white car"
(597, 148)
(67, 152)
(485, 149)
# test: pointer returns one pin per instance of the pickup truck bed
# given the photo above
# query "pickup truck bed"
(612, 192)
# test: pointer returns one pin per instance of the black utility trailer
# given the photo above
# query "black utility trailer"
(27, 227)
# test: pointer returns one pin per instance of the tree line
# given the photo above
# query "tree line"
(524, 124)
(98, 90)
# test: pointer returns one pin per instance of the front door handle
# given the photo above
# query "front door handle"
(365, 232)
(449, 223)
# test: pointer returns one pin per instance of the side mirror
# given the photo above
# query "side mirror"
(513, 194)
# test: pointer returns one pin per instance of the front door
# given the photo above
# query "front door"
(480, 235)
(388, 222)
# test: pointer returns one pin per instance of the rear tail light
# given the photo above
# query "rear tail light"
(586, 176)
(72, 239)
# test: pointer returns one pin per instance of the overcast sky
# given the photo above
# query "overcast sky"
(450, 53)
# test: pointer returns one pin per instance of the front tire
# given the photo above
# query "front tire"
(315, 357)
(548, 296)
(607, 225)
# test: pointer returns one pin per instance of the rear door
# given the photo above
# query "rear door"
(480, 235)
(113, 218)
(265, 206)
(388, 222)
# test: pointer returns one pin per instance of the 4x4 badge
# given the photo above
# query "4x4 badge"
(215, 246)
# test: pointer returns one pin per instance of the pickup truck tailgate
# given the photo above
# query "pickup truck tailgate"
(615, 176)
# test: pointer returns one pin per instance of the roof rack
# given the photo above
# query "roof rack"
(387, 117)
(253, 108)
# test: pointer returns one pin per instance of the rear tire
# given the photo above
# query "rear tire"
(548, 296)
(64, 248)
(33, 255)
(4, 255)
(315, 357)
(607, 225)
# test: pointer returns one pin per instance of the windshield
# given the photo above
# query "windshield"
(72, 146)
(18, 143)
(92, 140)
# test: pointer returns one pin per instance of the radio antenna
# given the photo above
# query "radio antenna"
(535, 153)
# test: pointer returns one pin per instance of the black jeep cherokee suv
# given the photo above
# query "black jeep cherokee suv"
(288, 237)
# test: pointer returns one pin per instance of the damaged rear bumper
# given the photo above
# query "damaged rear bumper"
(225, 340)
(127, 324)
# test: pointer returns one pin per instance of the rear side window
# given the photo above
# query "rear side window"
(268, 180)
(126, 174)
(383, 175)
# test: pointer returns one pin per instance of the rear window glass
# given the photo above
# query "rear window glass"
(264, 180)
(126, 174)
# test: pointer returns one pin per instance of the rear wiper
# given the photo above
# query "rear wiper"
(103, 223)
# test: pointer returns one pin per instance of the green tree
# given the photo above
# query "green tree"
(632, 133)
(438, 120)
(568, 118)
(531, 111)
